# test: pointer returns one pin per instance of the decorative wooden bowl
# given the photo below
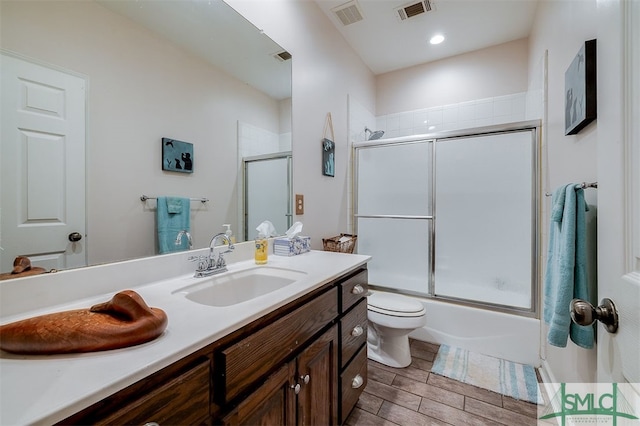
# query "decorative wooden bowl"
(124, 321)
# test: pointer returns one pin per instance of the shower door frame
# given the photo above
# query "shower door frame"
(534, 126)
(246, 162)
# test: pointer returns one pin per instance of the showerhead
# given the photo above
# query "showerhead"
(373, 135)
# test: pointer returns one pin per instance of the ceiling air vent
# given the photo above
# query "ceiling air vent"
(414, 9)
(282, 56)
(348, 13)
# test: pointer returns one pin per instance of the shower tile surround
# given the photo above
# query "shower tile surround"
(481, 112)
(464, 115)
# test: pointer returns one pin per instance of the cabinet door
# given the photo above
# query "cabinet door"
(318, 378)
(273, 403)
(183, 400)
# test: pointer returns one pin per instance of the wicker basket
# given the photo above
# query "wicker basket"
(334, 244)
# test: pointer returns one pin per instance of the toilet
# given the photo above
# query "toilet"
(391, 318)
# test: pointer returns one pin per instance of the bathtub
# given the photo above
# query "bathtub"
(511, 337)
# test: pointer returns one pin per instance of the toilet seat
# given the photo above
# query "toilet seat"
(394, 305)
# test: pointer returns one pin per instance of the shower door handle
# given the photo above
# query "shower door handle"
(584, 313)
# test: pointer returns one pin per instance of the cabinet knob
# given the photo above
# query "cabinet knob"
(305, 379)
(357, 331)
(357, 382)
(151, 424)
(296, 388)
(357, 289)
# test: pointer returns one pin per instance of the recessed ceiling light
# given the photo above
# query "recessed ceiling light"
(437, 39)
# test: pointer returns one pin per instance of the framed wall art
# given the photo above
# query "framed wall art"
(328, 149)
(580, 106)
(177, 156)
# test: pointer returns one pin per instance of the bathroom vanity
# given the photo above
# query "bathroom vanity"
(296, 355)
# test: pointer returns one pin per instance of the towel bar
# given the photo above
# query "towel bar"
(145, 198)
(583, 185)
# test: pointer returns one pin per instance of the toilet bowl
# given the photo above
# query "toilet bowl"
(391, 318)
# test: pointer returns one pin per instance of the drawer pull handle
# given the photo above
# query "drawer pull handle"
(296, 388)
(305, 379)
(357, 331)
(357, 382)
(357, 289)
(151, 424)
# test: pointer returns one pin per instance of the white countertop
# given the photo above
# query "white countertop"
(44, 389)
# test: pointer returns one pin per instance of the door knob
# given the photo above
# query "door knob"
(583, 313)
(75, 236)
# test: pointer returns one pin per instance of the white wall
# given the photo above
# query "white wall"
(325, 71)
(142, 88)
(494, 71)
(561, 27)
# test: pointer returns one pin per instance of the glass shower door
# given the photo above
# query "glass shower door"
(485, 218)
(393, 214)
(267, 191)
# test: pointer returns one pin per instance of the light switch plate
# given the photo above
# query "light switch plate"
(299, 204)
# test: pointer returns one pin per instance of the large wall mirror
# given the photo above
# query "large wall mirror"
(91, 88)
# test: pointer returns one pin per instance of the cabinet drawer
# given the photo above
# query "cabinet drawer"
(353, 380)
(354, 330)
(251, 358)
(184, 399)
(353, 289)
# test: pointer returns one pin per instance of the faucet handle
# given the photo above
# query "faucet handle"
(202, 262)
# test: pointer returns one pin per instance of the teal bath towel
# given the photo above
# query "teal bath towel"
(566, 275)
(173, 216)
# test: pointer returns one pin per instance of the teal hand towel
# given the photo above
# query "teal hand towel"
(170, 224)
(566, 276)
(174, 205)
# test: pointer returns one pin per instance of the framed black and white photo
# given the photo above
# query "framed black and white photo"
(177, 156)
(580, 106)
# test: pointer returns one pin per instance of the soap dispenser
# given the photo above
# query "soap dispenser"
(229, 233)
(262, 248)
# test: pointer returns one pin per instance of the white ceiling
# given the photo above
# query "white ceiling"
(385, 43)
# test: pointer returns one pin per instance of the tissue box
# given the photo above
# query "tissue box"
(291, 247)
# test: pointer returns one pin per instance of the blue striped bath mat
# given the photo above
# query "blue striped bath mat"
(505, 377)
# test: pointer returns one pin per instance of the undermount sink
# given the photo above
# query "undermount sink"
(237, 287)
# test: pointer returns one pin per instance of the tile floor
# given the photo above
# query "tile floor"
(413, 396)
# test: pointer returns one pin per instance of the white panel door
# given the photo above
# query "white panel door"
(42, 166)
(619, 189)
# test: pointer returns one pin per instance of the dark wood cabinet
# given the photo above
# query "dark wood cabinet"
(353, 342)
(318, 379)
(302, 392)
(293, 366)
(273, 403)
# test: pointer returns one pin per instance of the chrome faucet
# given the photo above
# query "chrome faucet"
(212, 266)
(179, 238)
